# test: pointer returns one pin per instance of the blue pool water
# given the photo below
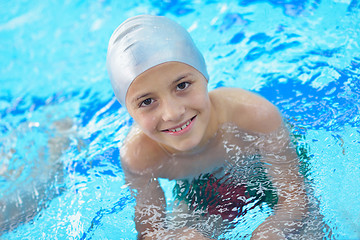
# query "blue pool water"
(304, 56)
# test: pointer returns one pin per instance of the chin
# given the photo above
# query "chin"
(188, 146)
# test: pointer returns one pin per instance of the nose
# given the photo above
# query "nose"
(172, 110)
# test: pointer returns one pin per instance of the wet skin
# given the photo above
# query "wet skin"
(178, 134)
(171, 105)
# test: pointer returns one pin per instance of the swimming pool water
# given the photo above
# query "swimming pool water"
(304, 56)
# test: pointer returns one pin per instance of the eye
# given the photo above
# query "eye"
(182, 86)
(146, 102)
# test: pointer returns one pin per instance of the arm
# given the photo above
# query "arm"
(255, 114)
(150, 211)
(141, 166)
(282, 167)
(150, 204)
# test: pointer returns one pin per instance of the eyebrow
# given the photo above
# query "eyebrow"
(172, 83)
(142, 96)
(180, 78)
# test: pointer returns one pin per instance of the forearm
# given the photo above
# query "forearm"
(281, 223)
(151, 225)
(181, 233)
(292, 207)
(289, 212)
(288, 216)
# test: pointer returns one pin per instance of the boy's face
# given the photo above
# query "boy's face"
(170, 103)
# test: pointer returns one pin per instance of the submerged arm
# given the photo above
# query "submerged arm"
(140, 165)
(256, 114)
(283, 168)
(150, 211)
(150, 205)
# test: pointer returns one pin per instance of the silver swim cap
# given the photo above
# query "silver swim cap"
(143, 42)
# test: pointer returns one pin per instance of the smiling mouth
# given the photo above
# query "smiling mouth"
(180, 128)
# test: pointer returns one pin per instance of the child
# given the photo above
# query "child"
(186, 133)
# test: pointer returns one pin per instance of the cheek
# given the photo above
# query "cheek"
(200, 101)
(147, 123)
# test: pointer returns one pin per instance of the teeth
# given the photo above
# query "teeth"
(182, 127)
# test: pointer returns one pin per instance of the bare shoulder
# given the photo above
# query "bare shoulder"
(246, 109)
(140, 154)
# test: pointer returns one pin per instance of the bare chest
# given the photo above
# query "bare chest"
(223, 152)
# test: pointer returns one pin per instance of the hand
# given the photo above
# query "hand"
(270, 234)
(269, 229)
(181, 234)
(189, 233)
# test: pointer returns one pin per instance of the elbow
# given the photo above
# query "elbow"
(294, 207)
